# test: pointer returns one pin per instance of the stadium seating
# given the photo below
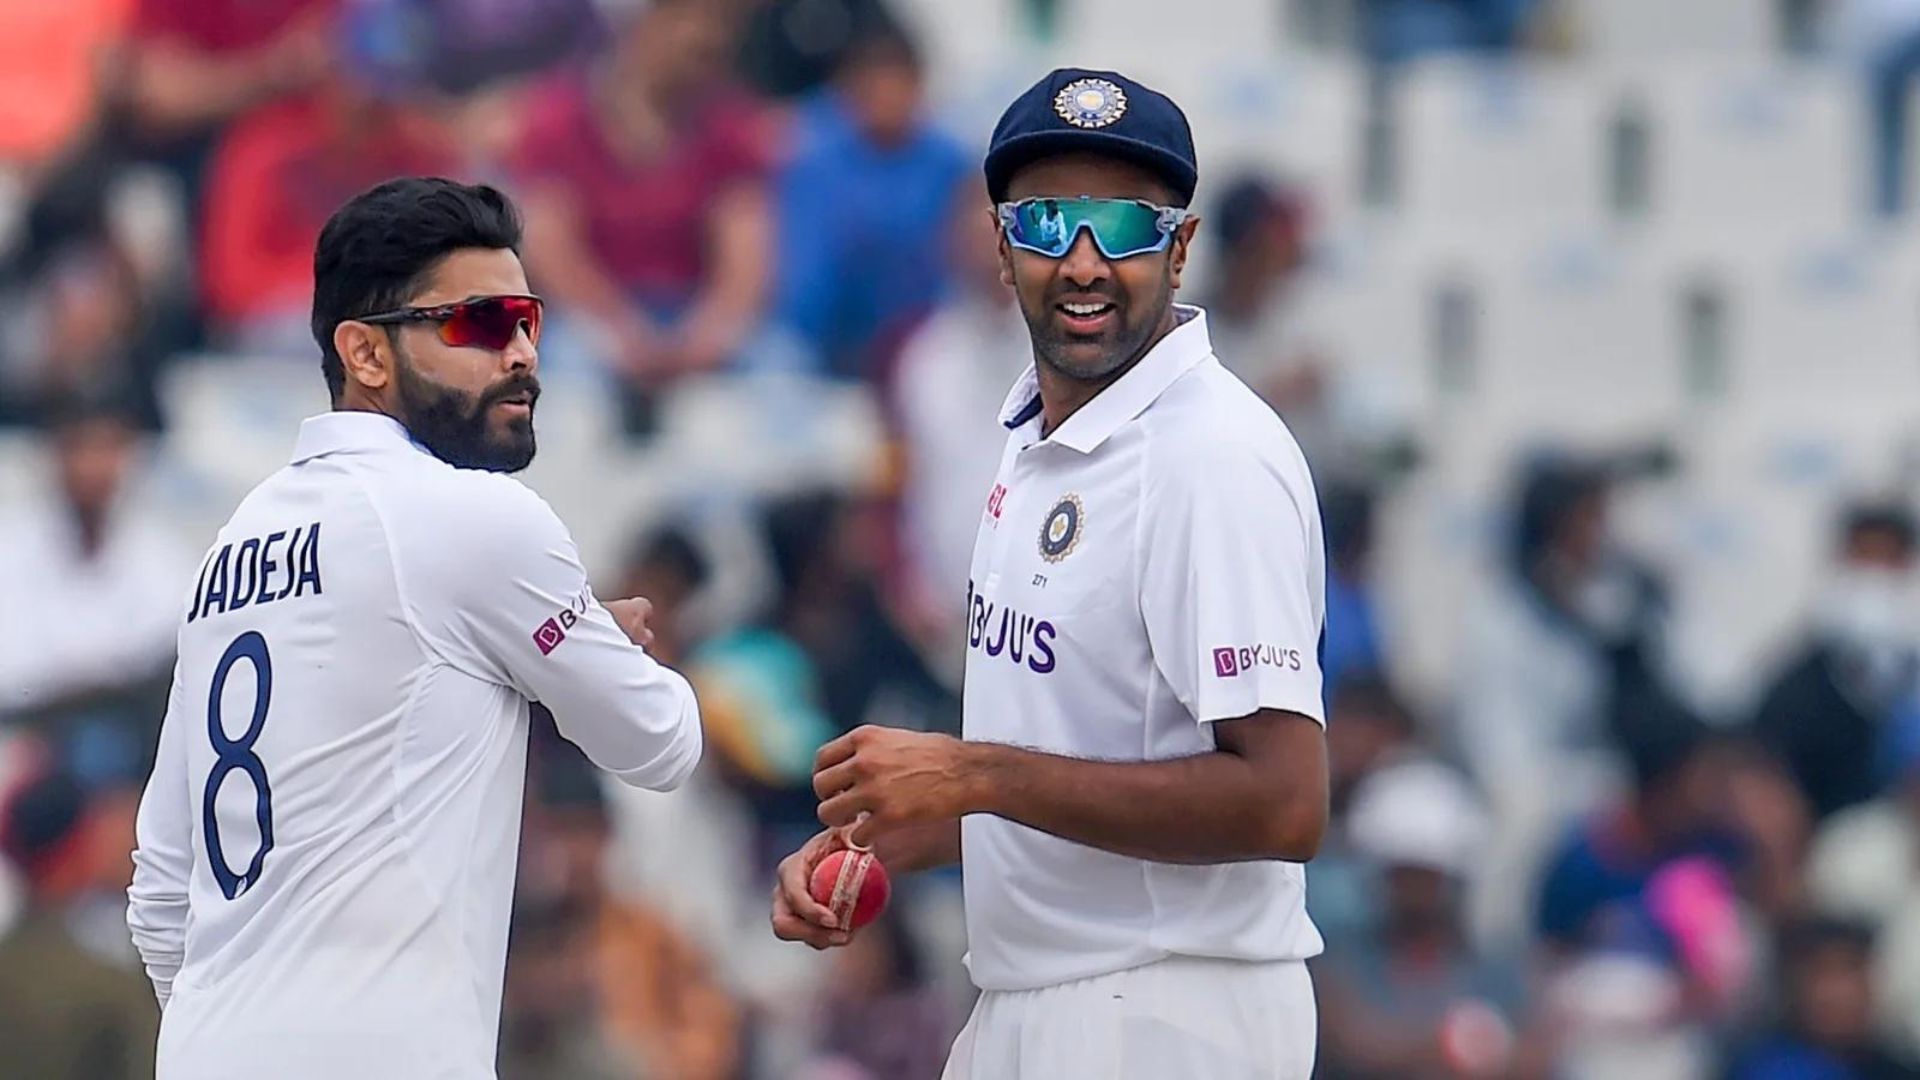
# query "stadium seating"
(1652, 242)
(1685, 29)
(1774, 149)
(1502, 149)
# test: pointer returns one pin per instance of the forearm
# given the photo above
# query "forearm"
(919, 847)
(562, 262)
(572, 277)
(1209, 808)
(177, 88)
(741, 237)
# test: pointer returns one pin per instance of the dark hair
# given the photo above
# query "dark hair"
(1347, 517)
(1800, 941)
(880, 41)
(673, 549)
(1249, 205)
(1551, 488)
(376, 251)
(70, 411)
(799, 530)
(1887, 517)
(1660, 744)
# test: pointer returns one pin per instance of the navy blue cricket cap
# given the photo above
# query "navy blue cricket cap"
(1074, 110)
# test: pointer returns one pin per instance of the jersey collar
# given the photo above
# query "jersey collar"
(1128, 396)
(333, 432)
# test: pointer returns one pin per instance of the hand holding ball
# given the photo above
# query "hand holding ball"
(853, 885)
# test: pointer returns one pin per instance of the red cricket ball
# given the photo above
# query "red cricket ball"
(853, 885)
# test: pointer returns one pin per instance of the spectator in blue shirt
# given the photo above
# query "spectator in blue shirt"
(863, 204)
(1602, 891)
(1352, 643)
(1828, 1031)
(1395, 31)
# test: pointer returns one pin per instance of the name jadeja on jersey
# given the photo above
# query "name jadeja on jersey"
(284, 564)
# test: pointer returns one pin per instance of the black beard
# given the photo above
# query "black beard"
(452, 425)
(1126, 344)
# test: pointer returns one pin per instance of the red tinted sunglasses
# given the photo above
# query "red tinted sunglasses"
(487, 322)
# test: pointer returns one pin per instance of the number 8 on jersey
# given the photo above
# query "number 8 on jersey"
(233, 755)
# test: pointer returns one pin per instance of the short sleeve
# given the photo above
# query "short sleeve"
(1232, 580)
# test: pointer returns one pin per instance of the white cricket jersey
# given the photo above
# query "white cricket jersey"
(1153, 565)
(327, 845)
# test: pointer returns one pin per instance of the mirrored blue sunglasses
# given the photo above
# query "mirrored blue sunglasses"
(1121, 228)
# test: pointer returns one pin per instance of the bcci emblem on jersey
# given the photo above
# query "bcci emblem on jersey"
(1060, 532)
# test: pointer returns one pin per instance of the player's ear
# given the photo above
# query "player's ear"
(1177, 257)
(364, 352)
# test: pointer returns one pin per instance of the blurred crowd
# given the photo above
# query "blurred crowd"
(1563, 866)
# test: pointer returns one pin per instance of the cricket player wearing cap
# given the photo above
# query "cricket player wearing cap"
(1144, 765)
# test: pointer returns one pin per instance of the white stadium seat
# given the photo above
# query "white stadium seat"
(962, 40)
(1821, 400)
(1639, 28)
(1578, 341)
(1192, 34)
(1295, 116)
(1361, 308)
(1502, 149)
(1741, 151)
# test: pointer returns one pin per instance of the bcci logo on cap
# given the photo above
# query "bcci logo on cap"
(1090, 103)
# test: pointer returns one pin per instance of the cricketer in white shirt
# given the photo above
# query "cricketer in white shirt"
(327, 846)
(1156, 561)
(1144, 766)
(328, 843)
(1149, 570)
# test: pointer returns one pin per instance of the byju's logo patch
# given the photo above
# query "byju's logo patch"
(1230, 662)
(548, 636)
(551, 633)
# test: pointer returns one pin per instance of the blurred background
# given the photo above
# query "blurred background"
(1599, 321)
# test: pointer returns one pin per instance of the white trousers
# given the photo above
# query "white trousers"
(1183, 1017)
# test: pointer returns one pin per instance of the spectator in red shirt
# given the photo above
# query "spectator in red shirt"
(198, 64)
(644, 188)
(54, 64)
(271, 186)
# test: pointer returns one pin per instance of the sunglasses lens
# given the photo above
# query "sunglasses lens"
(1040, 225)
(1120, 227)
(492, 323)
(1125, 228)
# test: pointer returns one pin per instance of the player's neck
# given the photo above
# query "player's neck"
(356, 400)
(1062, 395)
